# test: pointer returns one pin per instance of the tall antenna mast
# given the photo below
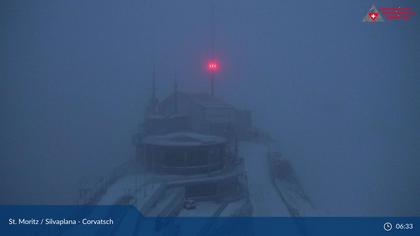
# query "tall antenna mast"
(175, 93)
(212, 66)
(212, 30)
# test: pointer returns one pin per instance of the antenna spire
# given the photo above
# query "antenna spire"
(175, 93)
(212, 29)
(212, 66)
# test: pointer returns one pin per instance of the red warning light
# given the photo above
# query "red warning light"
(212, 66)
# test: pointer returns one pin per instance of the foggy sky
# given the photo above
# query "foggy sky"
(342, 97)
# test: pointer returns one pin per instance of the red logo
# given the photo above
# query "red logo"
(390, 13)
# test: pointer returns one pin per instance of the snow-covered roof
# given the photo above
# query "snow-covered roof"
(162, 117)
(201, 99)
(207, 101)
(183, 139)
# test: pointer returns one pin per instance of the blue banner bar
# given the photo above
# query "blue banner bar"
(126, 220)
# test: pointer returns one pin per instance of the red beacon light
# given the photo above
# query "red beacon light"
(212, 66)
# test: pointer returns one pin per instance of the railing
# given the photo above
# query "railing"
(190, 170)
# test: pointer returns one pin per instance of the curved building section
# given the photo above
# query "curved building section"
(203, 164)
(184, 153)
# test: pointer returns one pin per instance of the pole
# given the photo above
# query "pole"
(175, 94)
(212, 34)
(212, 83)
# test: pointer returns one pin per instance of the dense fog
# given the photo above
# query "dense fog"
(341, 97)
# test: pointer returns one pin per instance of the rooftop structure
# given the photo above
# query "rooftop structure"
(200, 113)
(183, 139)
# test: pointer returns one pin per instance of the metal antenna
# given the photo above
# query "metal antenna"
(175, 93)
(212, 29)
(212, 53)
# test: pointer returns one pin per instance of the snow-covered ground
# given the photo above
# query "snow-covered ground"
(263, 195)
(202, 209)
(135, 187)
(233, 208)
(296, 200)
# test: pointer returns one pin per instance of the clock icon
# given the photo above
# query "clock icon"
(387, 226)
